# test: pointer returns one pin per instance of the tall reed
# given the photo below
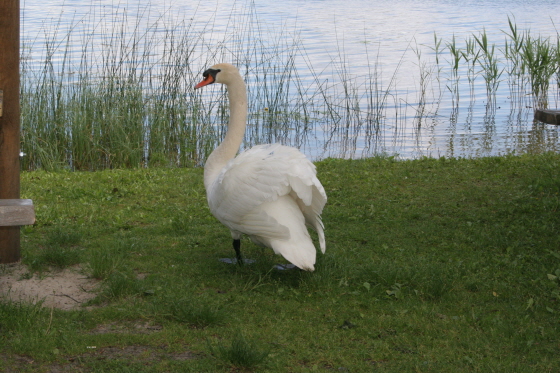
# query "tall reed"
(130, 102)
(491, 69)
(456, 55)
(124, 97)
(470, 55)
(515, 66)
(539, 59)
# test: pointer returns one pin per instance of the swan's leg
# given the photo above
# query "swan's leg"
(237, 248)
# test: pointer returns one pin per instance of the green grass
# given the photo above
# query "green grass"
(432, 265)
(240, 353)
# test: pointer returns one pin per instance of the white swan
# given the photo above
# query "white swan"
(269, 192)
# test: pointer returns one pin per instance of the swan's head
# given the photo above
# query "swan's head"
(224, 73)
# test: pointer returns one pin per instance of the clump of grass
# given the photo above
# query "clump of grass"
(60, 250)
(241, 352)
(122, 284)
(59, 257)
(188, 310)
(181, 222)
(19, 316)
(436, 283)
(28, 327)
(64, 236)
(106, 260)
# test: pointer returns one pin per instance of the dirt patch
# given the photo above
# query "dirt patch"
(138, 353)
(147, 355)
(128, 328)
(65, 289)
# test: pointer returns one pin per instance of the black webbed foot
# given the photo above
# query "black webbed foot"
(237, 248)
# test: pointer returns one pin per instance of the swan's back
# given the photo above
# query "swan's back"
(271, 192)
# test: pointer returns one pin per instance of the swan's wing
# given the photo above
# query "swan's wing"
(262, 174)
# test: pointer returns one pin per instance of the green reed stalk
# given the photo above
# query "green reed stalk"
(377, 98)
(128, 101)
(539, 58)
(438, 50)
(437, 47)
(557, 62)
(515, 66)
(470, 55)
(491, 70)
(424, 80)
(456, 56)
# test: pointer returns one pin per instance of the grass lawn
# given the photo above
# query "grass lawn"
(432, 265)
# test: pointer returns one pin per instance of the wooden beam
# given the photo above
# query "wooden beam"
(548, 116)
(9, 122)
(16, 212)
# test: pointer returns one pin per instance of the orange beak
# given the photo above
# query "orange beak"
(208, 80)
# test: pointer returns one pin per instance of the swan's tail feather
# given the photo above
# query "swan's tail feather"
(302, 256)
(321, 235)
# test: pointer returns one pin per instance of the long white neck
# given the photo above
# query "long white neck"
(227, 150)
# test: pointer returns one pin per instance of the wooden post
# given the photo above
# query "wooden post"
(9, 122)
(548, 116)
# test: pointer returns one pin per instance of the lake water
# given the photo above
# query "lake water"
(336, 44)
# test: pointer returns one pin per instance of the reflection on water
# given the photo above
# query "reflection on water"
(356, 77)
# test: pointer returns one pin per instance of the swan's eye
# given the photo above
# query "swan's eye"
(209, 77)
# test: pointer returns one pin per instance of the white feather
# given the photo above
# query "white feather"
(269, 192)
